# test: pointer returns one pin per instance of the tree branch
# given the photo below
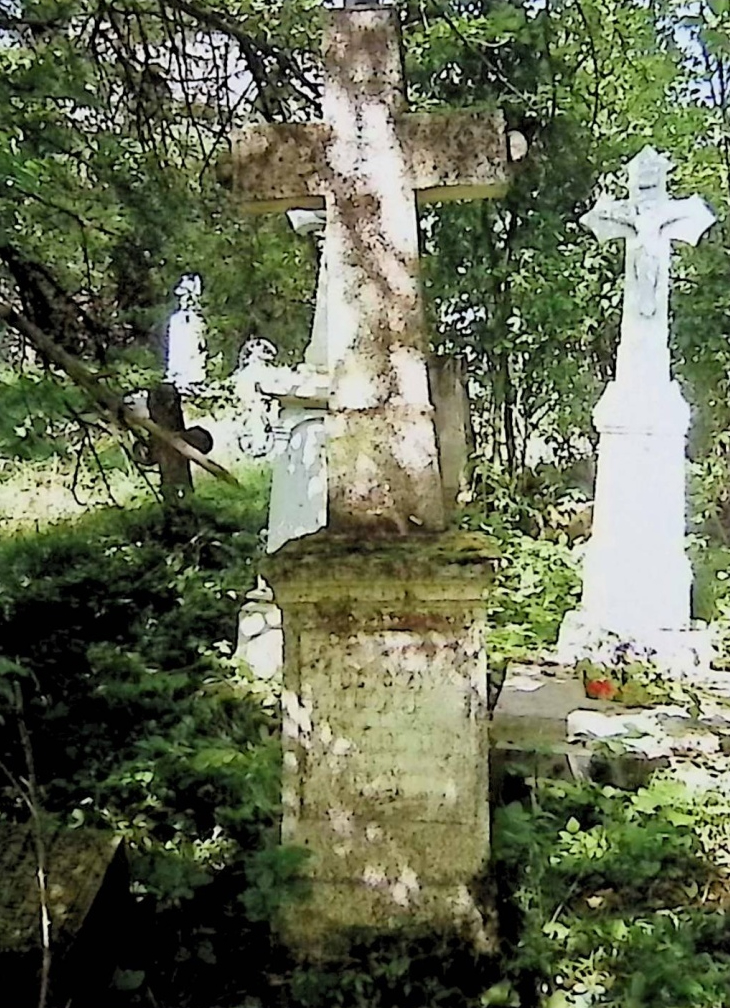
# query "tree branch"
(33, 24)
(107, 401)
(34, 804)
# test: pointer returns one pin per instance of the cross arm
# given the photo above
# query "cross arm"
(456, 154)
(689, 220)
(610, 219)
(279, 167)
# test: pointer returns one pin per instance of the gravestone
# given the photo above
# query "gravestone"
(165, 408)
(385, 775)
(637, 577)
(185, 356)
(89, 909)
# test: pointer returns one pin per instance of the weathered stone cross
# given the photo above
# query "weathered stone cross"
(368, 163)
(649, 221)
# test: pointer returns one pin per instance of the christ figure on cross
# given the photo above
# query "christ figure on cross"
(648, 221)
(636, 575)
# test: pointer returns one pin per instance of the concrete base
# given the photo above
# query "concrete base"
(684, 653)
(385, 777)
(544, 723)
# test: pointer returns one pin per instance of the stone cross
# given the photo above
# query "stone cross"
(183, 359)
(369, 163)
(648, 221)
(637, 578)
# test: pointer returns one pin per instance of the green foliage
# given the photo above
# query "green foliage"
(147, 725)
(36, 420)
(108, 142)
(536, 577)
(407, 969)
(117, 632)
(610, 892)
(536, 584)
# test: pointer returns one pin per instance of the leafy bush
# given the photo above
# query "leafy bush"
(536, 583)
(618, 898)
(409, 969)
(36, 418)
(117, 634)
(536, 578)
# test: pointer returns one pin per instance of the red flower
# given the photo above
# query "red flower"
(600, 689)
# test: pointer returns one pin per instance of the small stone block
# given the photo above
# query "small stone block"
(534, 705)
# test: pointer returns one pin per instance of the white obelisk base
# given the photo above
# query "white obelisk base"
(637, 578)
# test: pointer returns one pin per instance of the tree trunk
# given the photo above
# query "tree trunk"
(165, 407)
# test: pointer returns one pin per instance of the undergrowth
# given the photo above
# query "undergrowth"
(117, 633)
(118, 630)
(616, 898)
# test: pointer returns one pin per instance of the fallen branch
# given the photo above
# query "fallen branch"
(107, 401)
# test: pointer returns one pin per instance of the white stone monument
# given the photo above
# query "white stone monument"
(185, 350)
(286, 411)
(260, 642)
(637, 577)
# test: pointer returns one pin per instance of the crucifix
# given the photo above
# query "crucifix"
(637, 578)
(648, 222)
(369, 164)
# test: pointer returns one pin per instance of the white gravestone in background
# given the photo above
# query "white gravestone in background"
(298, 503)
(260, 642)
(637, 577)
(286, 416)
(185, 349)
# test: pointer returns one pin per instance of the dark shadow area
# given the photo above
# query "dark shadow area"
(120, 703)
(404, 969)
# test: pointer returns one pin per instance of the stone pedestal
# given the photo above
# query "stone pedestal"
(385, 777)
(637, 577)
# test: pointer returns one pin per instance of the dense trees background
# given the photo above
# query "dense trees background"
(115, 114)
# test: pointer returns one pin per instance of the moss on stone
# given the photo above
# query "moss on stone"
(413, 555)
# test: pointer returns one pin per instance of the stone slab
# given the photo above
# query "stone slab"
(534, 705)
(544, 722)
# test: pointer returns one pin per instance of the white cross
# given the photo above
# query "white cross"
(648, 221)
